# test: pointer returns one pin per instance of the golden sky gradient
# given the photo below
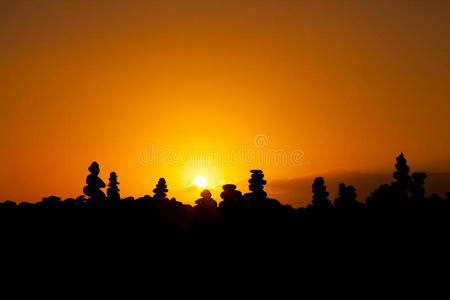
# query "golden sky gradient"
(348, 84)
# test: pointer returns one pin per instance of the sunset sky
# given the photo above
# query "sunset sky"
(181, 89)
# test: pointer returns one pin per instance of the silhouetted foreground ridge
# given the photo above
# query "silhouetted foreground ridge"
(392, 206)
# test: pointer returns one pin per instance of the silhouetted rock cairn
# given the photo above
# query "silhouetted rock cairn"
(402, 185)
(205, 212)
(257, 183)
(206, 199)
(400, 207)
(402, 173)
(346, 197)
(113, 189)
(230, 196)
(160, 190)
(320, 194)
(395, 196)
(94, 184)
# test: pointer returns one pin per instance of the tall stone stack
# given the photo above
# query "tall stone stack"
(230, 196)
(160, 190)
(401, 187)
(94, 183)
(113, 189)
(257, 183)
(402, 173)
(320, 194)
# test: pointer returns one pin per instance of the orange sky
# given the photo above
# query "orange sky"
(348, 84)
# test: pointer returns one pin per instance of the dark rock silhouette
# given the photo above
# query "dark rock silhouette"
(346, 197)
(256, 207)
(257, 183)
(8, 204)
(394, 197)
(402, 172)
(52, 202)
(230, 196)
(401, 186)
(160, 190)
(320, 195)
(206, 199)
(80, 200)
(94, 184)
(205, 212)
(113, 190)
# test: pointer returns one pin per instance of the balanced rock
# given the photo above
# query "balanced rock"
(94, 183)
(206, 199)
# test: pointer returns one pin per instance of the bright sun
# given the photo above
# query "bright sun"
(200, 181)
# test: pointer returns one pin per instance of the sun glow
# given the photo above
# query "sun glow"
(200, 181)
